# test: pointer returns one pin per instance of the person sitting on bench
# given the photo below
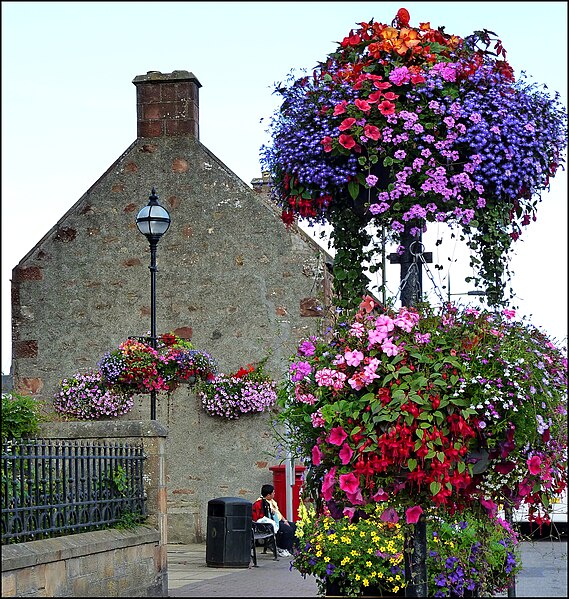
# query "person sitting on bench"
(267, 507)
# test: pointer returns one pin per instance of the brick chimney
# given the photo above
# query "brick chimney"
(167, 104)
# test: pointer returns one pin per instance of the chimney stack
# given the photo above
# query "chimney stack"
(167, 104)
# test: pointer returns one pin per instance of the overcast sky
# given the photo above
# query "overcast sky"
(68, 104)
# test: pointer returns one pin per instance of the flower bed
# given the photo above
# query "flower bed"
(466, 553)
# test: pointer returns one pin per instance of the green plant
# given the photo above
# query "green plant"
(129, 520)
(20, 416)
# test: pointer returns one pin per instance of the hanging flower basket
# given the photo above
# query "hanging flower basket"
(431, 128)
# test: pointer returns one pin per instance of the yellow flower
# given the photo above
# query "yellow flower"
(365, 582)
(368, 564)
(357, 577)
(326, 559)
(354, 552)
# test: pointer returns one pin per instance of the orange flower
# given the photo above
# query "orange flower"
(408, 38)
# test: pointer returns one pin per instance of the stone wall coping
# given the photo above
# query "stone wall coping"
(43, 551)
(101, 429)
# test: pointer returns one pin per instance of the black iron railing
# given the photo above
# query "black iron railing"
(52, 488)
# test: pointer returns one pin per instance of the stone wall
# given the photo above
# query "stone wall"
(102, 563)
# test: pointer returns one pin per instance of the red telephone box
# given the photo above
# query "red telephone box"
(279, 482)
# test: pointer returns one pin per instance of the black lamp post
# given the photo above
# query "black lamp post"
(153, 221)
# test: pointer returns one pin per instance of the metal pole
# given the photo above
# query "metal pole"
(416, 543)
(152, 267)
(510, 520)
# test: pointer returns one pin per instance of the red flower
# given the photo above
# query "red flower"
(347, 141)
(403, 17)
(372, 132)
(362, 105)
(386, 107)
(327, 143)
(346, 124)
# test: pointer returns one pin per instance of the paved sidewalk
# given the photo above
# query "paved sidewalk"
(544, 574)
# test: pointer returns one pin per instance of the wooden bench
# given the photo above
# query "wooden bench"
(264, 534)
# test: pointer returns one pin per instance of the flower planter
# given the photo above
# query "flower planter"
(332, 590)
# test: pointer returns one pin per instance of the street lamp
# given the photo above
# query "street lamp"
(153, 221)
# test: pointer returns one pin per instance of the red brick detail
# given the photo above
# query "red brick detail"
(149, 148)
(181, 127)
(184, 332)
(131, 167)
(27, 273)
(179, 165)
(65, 234)
(173, 201)
(150, 129)
(310, 306)
(281, 311)
(145, 311)
(26, 349)
(29, 386)
(132, 262)
(130, 207)
(117, 188)
(183, 492)
(261, 465)
(188, 231)
(88, 209)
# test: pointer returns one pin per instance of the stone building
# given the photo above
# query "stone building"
(230, 276)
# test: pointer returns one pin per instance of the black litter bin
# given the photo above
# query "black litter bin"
(228, 542)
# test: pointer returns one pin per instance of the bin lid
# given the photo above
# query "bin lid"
(230, 500)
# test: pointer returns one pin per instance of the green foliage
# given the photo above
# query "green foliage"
(20, 416)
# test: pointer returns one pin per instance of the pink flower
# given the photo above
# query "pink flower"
(389, 348)
(389, 515)
(349, 482)
(534, 464)
(386, 107)
(380, 495)
(337, 436)
(317, 420)
(412, 514)
(357, 329)
(345, 454)
(325, 377)
(328, 484)
(353, 358)
(376, 337)
(339, 380)
(316, 455)
(489, 506)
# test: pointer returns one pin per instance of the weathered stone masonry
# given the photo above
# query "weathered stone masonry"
(230, 275)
